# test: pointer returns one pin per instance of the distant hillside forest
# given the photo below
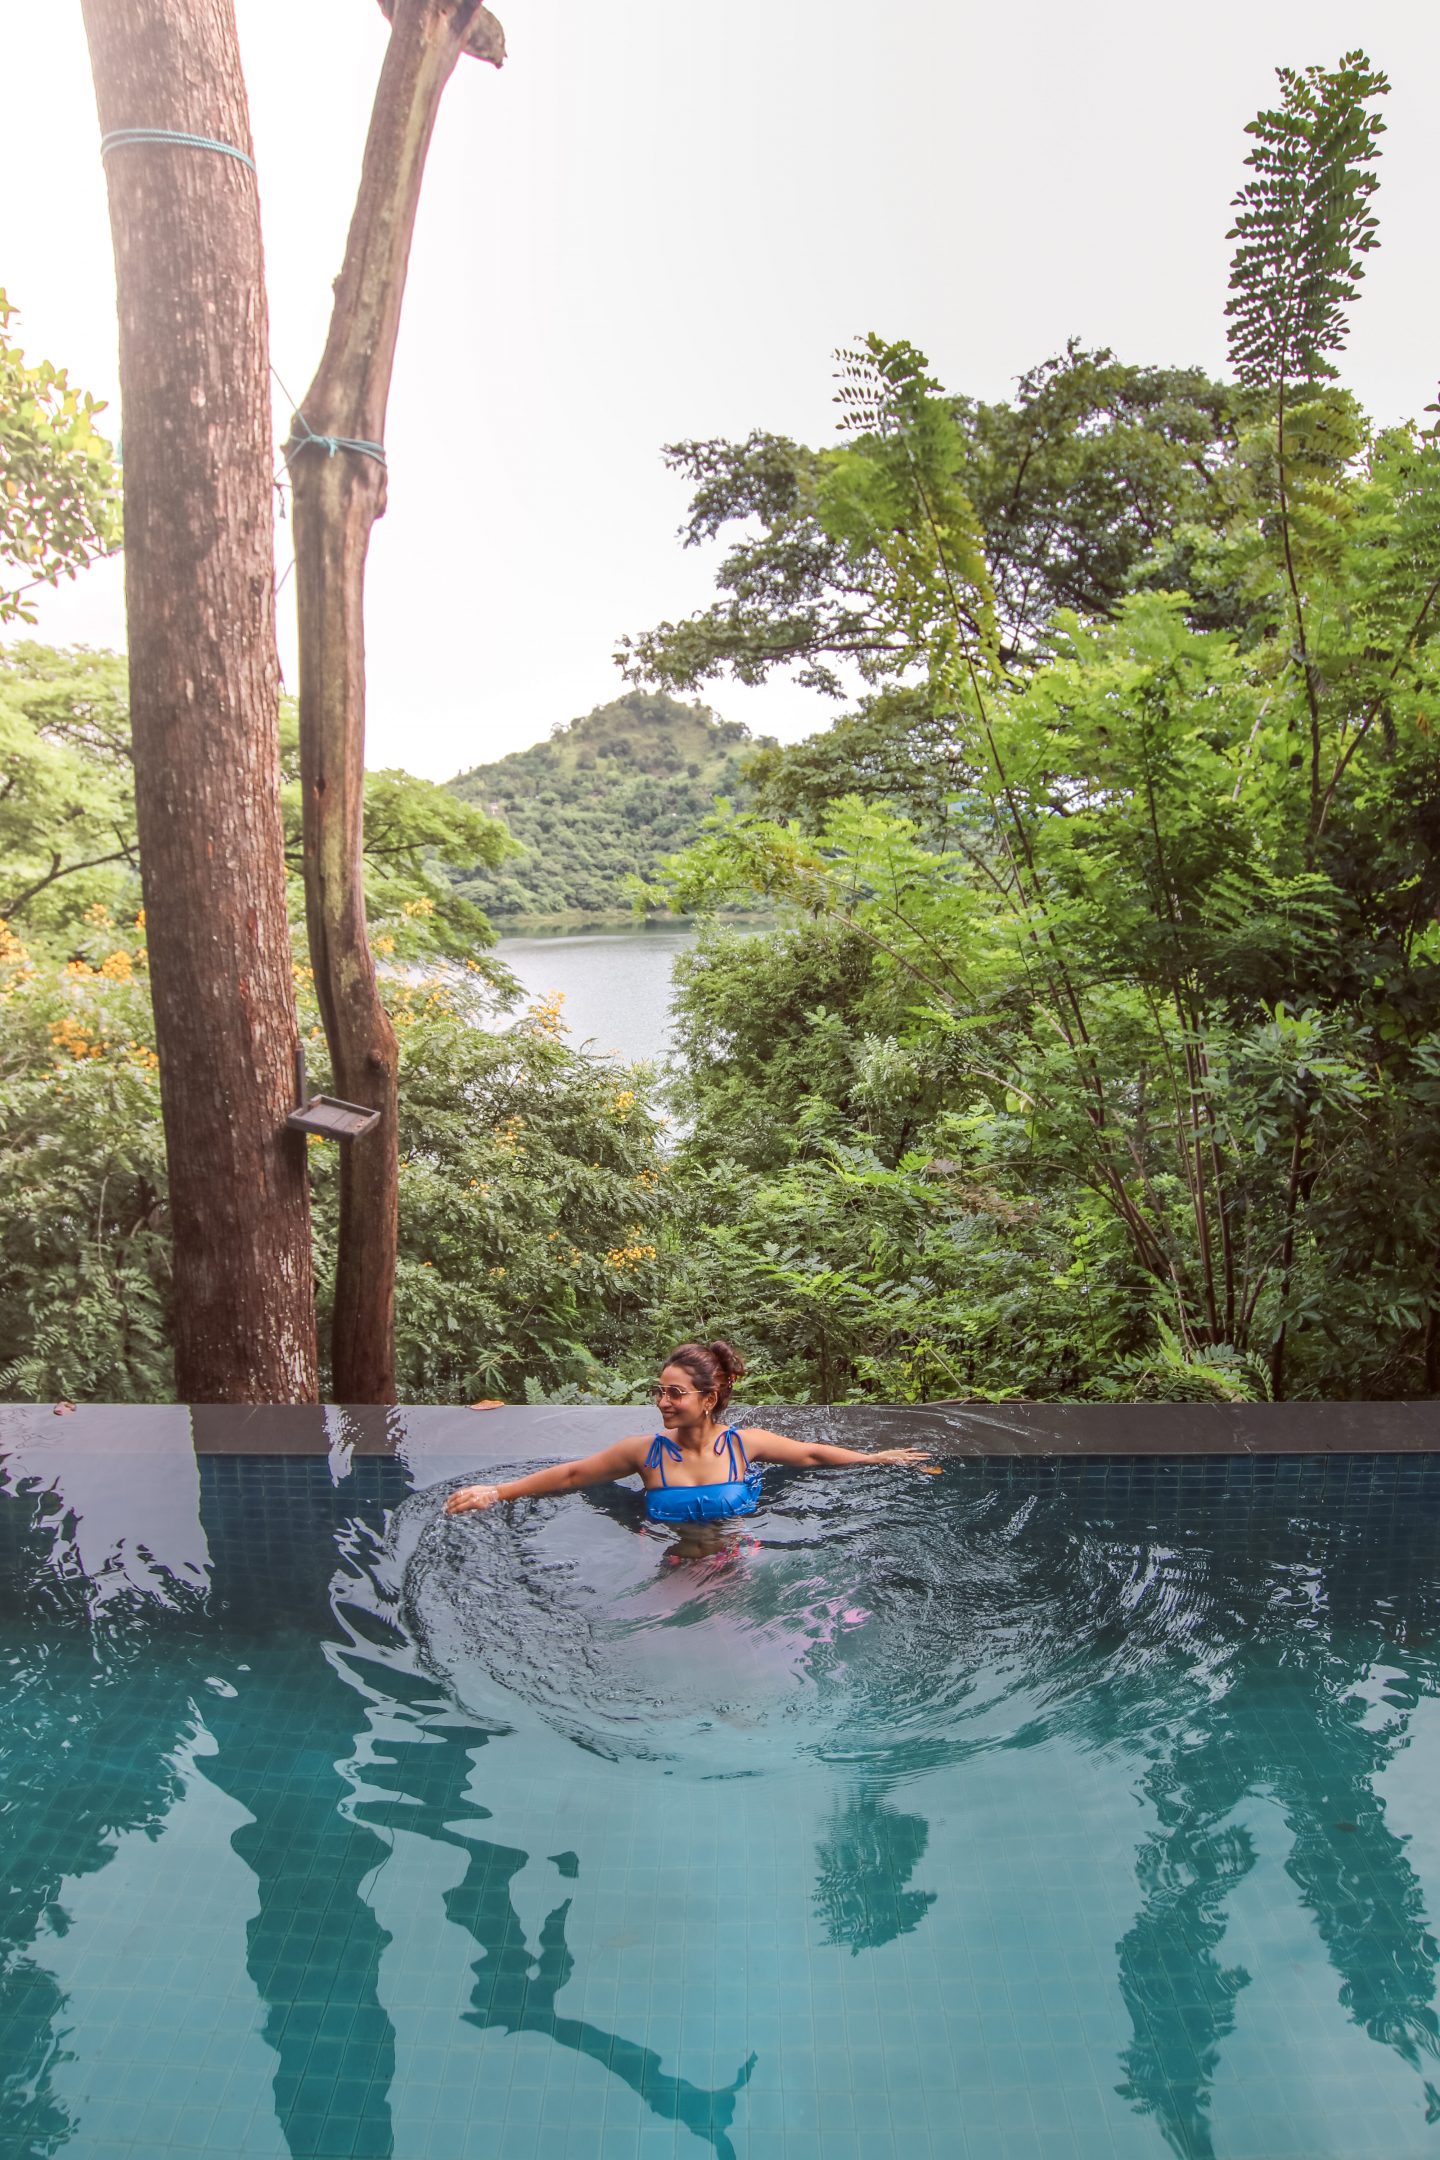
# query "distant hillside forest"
(608, 794)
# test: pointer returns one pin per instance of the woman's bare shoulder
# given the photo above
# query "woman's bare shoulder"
(619, 1459)
(759, 1438)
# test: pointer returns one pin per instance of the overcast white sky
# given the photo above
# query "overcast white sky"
(658, 221)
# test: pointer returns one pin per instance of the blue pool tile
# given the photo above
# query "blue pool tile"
(803, 2144)
(1070, 1985)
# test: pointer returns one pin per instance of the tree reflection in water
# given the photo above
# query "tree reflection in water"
(863, 1862)
(1226, 1653)
(1289, 1710)
(314, 1947)
(515, 1988)
(1218, 1654)
(79, 1674)
(515, 1993)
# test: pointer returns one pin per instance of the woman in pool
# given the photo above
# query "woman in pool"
(699, 1469)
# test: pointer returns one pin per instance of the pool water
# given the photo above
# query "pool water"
(1040, 1809)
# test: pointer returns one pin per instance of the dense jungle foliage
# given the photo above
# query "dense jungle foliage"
(505, 1134)
(1095, 1051)
(1099, 1051)
(605, 799)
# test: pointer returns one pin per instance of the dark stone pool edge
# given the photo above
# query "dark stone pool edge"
(520, 1432)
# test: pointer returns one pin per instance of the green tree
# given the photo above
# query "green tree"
(68, 827)
(507, 1131)
(59, 493)
(1076, 483)
(85, 1259)
(531, 1177)
(416, 835)
(67, 786)
(1150, 944)
(1304, 222)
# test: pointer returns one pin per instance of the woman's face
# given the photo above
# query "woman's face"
(681, 1400)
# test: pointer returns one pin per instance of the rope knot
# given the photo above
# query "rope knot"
(328, 443)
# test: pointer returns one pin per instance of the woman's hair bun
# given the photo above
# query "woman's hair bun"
(713, 1366)
(728, 1358)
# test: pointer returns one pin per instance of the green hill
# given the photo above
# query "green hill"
(607, 794)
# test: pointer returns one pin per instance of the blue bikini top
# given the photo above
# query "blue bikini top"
(738, 1495)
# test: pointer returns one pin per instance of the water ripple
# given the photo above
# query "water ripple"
(896, 1622)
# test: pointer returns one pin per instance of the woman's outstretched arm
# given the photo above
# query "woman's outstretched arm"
(763, 1446)
(612, 1462)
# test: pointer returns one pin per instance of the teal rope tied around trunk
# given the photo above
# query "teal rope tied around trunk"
(306, 436)
(134, 138)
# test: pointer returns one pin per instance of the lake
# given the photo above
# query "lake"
(616, 983)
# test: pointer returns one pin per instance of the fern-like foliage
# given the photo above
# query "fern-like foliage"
(881, 388)
(896, 497)
(1395, 581)
(1304, 223)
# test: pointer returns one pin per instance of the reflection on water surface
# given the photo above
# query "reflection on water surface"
(1086, 1803)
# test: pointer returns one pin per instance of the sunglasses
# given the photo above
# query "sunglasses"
(670, 1394)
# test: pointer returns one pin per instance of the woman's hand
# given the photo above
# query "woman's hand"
(912, 1455)
(472, 1496)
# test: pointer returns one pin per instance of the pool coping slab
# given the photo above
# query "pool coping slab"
(435, 1433)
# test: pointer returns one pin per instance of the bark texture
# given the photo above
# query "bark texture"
(337, 498)
(199, 589)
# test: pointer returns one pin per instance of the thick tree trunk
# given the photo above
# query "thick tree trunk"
(339, 491)
(199, 588)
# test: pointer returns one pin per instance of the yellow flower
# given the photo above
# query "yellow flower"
(67, 1034)
(417, 907)
(384, 944)
(99, 915)
(118, 967)
(545, 1015)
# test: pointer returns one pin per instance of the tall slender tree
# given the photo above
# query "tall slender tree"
(199, 582)
(337, 470)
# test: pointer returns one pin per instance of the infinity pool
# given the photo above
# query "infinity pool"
(1044, 1809)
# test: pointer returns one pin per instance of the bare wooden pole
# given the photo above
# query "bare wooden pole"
(199, 590)
(338, 494)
